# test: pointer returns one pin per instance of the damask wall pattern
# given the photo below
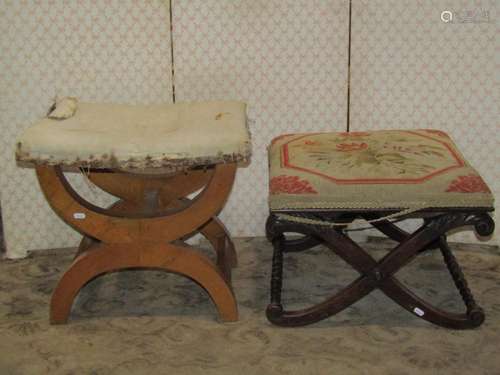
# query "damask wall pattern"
(108, 51)
(414, 67)
(286, 59)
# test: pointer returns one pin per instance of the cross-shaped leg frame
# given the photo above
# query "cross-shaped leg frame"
(146, 228)
(373, 274)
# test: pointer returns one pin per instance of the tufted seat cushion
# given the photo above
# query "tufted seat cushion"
(140, 137)
(396, 169)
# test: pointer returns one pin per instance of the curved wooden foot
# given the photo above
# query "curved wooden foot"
(296, 318)
(103, 258)
(359, 289)
(473, 318)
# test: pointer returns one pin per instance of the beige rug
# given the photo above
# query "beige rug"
(150, 322)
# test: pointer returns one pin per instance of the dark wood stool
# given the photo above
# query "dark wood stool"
(375, 275)
(298, 206)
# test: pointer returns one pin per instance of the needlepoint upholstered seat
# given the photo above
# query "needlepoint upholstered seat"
(321, 182)
(152, 158)
(378, 169)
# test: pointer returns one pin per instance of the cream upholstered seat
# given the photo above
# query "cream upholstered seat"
(394, 169)
(146, 156)
(139, 137)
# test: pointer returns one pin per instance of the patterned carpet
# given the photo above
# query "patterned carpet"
(149, 322)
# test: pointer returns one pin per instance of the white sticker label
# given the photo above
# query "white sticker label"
(418, 311)
(79, 215)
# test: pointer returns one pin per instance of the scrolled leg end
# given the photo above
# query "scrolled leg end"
(484, 225)
(274, 312)
(476, 316)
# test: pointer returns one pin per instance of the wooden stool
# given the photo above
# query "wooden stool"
(151, 170)
(320, 183)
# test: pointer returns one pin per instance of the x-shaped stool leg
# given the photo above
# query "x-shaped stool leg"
(380, 274)
(146, 228)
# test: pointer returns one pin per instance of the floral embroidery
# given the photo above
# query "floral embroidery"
(351, 146)
(382, 157)
(290, 185)
(468, 184)
(416, 150)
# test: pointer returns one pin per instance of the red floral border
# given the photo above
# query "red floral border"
(471, 183)
(290, 185)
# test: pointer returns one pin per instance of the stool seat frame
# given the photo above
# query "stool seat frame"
(146, 228)
(375, 274)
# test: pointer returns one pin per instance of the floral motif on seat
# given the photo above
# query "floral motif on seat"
(401, 169)
(371, 157)
(471, 183)
(351, 146)
(290, 185)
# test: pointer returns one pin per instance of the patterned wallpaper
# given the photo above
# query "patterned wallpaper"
(286, 59)
(410, 69)
(110, 51)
